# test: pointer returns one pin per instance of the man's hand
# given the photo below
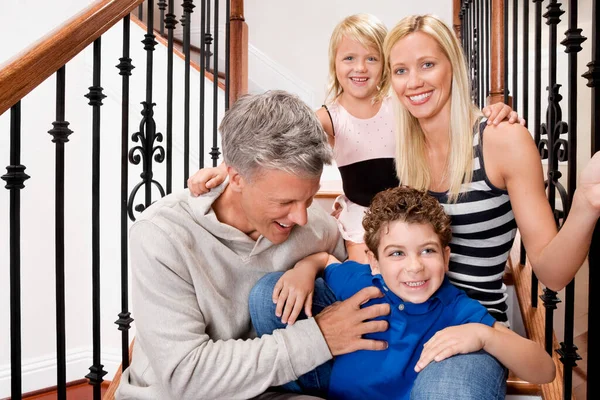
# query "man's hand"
(344, 323)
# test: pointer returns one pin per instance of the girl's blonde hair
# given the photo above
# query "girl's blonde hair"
(411, 160)
(369, 31)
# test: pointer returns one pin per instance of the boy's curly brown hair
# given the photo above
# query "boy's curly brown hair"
(405, 204)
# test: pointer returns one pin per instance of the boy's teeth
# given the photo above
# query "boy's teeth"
(420, 97)
(415, 284)
(285, 226)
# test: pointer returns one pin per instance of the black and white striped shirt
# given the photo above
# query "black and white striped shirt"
(483, 231)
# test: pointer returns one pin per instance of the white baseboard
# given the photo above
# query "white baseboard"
(40, 372)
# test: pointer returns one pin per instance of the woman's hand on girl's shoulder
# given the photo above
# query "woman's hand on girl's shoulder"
(499, 112)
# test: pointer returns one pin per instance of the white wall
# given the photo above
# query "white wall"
(21, 28)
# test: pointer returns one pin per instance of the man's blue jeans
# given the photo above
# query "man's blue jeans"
(475, 376)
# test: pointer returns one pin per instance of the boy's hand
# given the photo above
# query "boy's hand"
(293, 291)
(205, 179)
(460, 339)
(498, 112)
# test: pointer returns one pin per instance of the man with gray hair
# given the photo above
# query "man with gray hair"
(194, 261)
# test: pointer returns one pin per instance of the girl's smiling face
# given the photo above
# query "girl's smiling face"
(357, 68)
(421, 75)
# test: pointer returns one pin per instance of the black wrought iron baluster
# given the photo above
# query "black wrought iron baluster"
(593, 77)
(207, 37)
(537, 111)
(469, 34)
(473, 62)
(480, 60)
(473, 67)
(461, 16)
(515, 57)
(147, 150)
(506, 101)
(170, 23)
(203, 67)
(125, 67)
(488, 17)
(15, 177)
(60, 135)
(523, 253)
(95, 97)
(227, 51)
(186, 22)
(572, 42)
(214, 152)
(162, 6)
(515, 82)
(552, 129)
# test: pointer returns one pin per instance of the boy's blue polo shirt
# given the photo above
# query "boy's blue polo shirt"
(389, 374)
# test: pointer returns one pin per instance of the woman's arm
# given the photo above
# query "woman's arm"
(512, 162)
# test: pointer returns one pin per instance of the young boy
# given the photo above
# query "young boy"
(407, 234)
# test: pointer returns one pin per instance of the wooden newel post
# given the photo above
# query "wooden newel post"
(456, 17)
(497, 53)
(238, 68)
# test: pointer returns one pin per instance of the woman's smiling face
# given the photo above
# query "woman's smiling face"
(421, 75)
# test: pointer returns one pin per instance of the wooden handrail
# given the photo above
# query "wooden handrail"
(33, 66)
(238, 52)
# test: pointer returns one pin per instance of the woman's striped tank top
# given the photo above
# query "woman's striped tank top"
(483, 231)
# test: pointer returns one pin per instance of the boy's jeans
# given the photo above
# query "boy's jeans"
(262, 314)
(474, 376)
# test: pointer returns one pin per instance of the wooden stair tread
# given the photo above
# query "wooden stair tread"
(516, 385)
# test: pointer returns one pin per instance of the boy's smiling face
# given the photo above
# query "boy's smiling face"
(411, 261)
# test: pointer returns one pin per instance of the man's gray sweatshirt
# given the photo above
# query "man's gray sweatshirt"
(191, 276)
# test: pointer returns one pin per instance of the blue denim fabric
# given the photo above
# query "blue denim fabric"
(262, 314)
(473, 376)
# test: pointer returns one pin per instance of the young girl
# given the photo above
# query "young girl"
(359, 122)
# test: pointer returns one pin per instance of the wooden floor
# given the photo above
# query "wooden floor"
(79, 390)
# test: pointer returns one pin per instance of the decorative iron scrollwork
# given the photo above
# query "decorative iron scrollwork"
(145, 151)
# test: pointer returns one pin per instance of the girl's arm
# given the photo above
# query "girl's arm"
(325, 120)
(512, 161)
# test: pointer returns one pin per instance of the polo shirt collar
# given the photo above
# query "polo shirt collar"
(443, 294)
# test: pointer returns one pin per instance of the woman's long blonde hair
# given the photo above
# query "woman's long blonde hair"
(411, 160)
(369, 31)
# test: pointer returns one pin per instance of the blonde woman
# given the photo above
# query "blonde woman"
(488, 178)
